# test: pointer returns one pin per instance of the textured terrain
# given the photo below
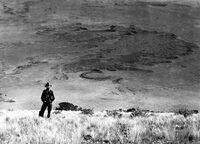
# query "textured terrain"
(100, 54)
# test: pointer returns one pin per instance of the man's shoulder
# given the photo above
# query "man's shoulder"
(51, 91)
(44, 90)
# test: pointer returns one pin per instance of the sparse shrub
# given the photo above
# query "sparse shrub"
(7, 119)
(87, 111)
(114, 113)
(87, 138)
(57, 112)
(185, 112)
(136, 112)
(10, 109)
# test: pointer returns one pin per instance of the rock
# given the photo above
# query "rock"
(96, 70)
(64, 76)
(130, 110)
(117, 80)
(111, 68)
(71, 107)
(67, 106)
(112, 28)
(83, 28)
(115, 28)
(9, 100)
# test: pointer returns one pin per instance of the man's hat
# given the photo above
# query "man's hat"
(47, 85)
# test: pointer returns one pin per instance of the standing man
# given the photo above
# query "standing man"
(47, 99)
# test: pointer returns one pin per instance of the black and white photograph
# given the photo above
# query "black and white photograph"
(99, 71)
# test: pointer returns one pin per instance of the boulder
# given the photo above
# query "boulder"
(67, 106)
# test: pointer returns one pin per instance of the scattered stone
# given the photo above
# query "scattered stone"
(9, 100)
(62, 76)
(117, 80)
(38, 82)
(172, 57)
(8, 10)
(115, 28)
(82, 28)
(111, 68)
(112, 28)
(97, 70)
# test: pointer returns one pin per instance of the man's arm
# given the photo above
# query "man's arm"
(43, 96)
(52, 96)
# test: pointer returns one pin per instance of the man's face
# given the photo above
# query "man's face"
(48, 87)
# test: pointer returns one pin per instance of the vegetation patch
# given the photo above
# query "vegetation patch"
(73, 127)
(133, 47)
(186, 112)
(66, 106)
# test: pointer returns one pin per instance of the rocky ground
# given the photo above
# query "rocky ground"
(100, 54)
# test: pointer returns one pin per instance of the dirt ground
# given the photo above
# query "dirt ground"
(100, 54)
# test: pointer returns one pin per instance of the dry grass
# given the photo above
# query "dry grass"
(74, 128)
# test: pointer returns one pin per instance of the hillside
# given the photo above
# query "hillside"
(100, 54)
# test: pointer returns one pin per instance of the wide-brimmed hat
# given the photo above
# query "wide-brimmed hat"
(47, 85)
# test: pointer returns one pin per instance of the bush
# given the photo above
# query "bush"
(87, 111)
(136, 112)
(185, 112)
(113, 113)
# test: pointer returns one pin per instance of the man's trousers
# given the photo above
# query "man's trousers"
(43, 108)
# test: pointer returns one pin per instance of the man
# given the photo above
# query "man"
(47, 99)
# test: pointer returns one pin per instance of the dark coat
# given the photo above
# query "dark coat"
(47, 96)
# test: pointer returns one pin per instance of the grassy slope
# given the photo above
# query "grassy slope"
(73, 127)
